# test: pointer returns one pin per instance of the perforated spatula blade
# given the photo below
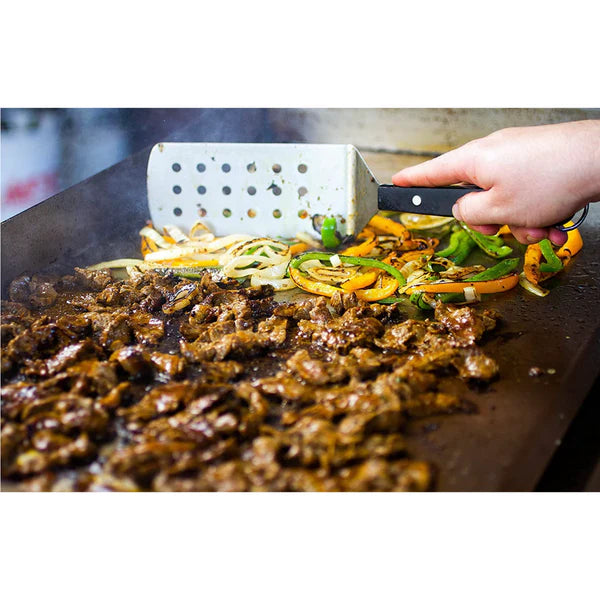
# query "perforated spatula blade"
(275, 190)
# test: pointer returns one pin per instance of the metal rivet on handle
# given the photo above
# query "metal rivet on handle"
(416, 200)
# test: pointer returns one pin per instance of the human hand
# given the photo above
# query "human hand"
(533, 177)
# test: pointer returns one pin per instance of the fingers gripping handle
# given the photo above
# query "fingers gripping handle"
(422, 200)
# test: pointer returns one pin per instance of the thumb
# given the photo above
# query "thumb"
(479, 208)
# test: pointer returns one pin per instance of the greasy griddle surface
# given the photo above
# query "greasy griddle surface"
(521, 419)
(506, 445)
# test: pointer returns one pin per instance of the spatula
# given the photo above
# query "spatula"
(276, 190)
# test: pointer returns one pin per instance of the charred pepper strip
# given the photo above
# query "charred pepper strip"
(490, 244)
(500, 270)
(553, 263)
(493, 286)
(389, 226)
(465, 247)
(452, 245)
(328, 233)
(573, 245)
(531, 267)
(351, 260)
(390, 285)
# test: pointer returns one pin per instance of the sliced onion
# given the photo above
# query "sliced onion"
(180, 252)
(416, 275)
(471, 294)
(307, 239)
(278, 284)
(410, 267)
(335, 261)
(532, 287)
(119, 263)
(310, 264)
(176, 233)
(158, 239)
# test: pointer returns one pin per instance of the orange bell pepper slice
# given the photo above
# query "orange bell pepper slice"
(147, 246)
(389, 286)
(385, 225)
(483, 287)
(573, 244)
(362, 249)
(531, 266)
(298, 248)
(360, 281)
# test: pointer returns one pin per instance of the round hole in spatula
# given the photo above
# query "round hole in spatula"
(416, 200)
(275, 189)
(251, 168)
(176, 167)
(200, 167)
(277, 213)
(201, 189)
(252, 190)
(302, 191)
(177, 212)
(302, 168)
(303, 214)
(177, 189)
(276, 168)
(226, 212)
(226, 168)
(227, 190)
(251, 213)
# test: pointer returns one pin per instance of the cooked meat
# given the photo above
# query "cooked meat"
(159, 383)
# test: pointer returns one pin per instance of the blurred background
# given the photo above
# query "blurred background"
(44, 151)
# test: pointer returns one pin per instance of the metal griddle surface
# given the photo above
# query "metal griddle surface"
(519, 421)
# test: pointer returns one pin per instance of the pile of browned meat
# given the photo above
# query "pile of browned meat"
(161, 383)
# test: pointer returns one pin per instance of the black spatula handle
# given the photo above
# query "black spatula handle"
(421, 200)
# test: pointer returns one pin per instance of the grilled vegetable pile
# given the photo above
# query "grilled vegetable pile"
(387, 263)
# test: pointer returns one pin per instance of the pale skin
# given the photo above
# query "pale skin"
(533, 177)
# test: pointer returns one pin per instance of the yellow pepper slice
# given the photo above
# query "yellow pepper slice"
(360, 281)
(389, 286)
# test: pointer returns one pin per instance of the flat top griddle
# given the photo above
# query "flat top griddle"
(520, 420)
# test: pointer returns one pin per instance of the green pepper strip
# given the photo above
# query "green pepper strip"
(351, 260)
(553, 263)
(500, 270)
(490, 244)
(452, 245)
(328, 233)
(503, 268)
(390, 300)
(465, 248)
(416, 298)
